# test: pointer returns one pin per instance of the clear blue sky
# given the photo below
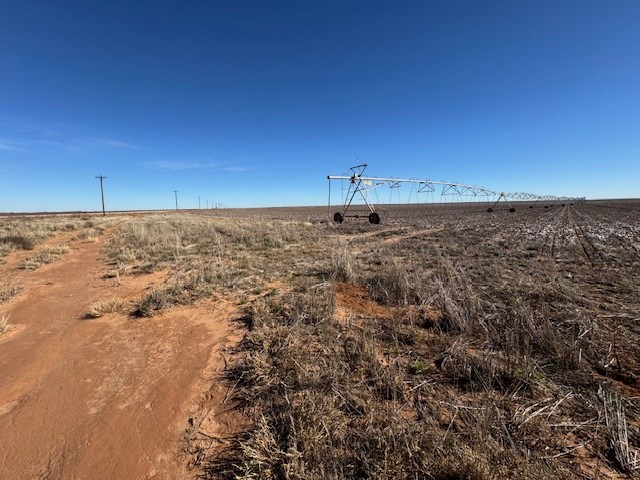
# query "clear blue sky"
(253, 103)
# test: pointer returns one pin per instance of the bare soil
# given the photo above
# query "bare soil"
(112, 397)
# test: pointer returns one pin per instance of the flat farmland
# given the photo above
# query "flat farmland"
(446, 342)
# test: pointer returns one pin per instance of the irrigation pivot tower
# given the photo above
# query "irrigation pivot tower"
(360, 186)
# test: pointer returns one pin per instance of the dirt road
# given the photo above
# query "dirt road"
(109, 397)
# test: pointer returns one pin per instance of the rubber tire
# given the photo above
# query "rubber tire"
(490, 209)
(512, 209)
(338, 218)
(374, 218)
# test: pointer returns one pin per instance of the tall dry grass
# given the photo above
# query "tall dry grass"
(24, 233)
(486, 365)
(206, 256)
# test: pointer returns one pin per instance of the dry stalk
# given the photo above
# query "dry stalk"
(616, 421)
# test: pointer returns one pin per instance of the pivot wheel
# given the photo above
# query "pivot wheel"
(489, 209)
(338, 218)
(512, 209)
(374, 218)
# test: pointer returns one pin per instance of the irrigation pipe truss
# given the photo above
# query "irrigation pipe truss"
(362, 185)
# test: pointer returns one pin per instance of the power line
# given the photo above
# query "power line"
(102, 192)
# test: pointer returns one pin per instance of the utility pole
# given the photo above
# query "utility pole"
(207, 204)
(176, 194)
(198, 203)
(102, 192)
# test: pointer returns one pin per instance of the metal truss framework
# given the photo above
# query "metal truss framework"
(360, 186)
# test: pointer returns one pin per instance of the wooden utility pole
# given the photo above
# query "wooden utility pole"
(198, 203)
(102, 192)
(176, 194)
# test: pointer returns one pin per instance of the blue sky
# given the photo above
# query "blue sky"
(253, 103)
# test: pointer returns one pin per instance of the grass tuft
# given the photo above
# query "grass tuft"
(4, 323)
(342, 266)
(23, 242)
(98, 309)
(7, 292)
(151, 303)
(46, 256)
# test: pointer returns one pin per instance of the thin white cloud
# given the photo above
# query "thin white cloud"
(72, 138)
(52, 143)
(180, 165)
(81, 144)
(8, 146)
(109, 142)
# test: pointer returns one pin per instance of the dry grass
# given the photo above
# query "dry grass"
(342, 266)
(483, 361)
(624, 452)
(205, 255)
(24, 233)
(8, 291)
(48, 254)
(333, 401)
(4, 324)
(98, 309)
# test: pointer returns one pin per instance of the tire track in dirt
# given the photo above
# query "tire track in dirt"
(590, 250)
(579, 235)
(562, 244)
(624, 241)
(563, 226)
(106, 398)
(628, 246)
(410, 235)
(389, 236)
(378, 233)
(550, 245)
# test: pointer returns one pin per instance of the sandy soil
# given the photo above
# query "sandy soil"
(106, 398)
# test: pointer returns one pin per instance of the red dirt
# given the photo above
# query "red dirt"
(354, 301)
(106, 398)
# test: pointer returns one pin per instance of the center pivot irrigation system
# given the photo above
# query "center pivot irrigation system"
(361, 186)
